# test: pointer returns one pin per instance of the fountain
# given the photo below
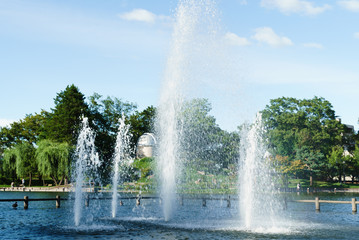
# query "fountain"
(257, 203)
(189, 37)
(255, 217)
(192, 61)
(87, 163)
(122, 158)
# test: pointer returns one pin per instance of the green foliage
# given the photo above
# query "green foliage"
(27, 130)
(336, 156)
(20, 160)
(63, 123)
(303, 130)
(104, 115)
(145, 165)
(9, 163)
(25, 159)
(142, 122)
(106, 112)
(53, 159)
(203, 141)
(287, 168)
(51, 130)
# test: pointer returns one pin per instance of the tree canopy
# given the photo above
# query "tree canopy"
(203, 142)
(63, 122)
(305, 138)
(304, 130)
(20, 160)
(53, 160)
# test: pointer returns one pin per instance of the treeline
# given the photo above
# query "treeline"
(42, 143)
(307, 141)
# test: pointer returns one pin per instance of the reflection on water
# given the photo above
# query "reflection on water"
(300, 221)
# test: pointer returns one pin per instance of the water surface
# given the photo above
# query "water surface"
(191, 221)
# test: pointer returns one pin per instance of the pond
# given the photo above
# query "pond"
(190, 221)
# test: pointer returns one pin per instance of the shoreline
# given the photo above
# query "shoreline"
(68, 189)
(38, 189)
(57, 189)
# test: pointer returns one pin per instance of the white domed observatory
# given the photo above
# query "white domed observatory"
(145, 145)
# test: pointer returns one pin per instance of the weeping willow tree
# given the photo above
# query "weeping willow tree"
(20, 160)
(9, 163)
(53, 160)
(25, 160)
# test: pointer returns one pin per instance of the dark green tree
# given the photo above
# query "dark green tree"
(104, 115)
(142, 122)
(63, 123)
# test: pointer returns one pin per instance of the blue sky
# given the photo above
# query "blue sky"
(291, 48)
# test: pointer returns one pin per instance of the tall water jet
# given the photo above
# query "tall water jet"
(87, 163)
(189, 37)
(256, 186)
(122, 158)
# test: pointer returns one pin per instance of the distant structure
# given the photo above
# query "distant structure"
(349, 132)
(145, 145)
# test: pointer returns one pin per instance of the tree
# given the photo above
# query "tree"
(106, 112)
(21, 160)
(205, 145)
(104, 118)
(287, 168)
(355, 162)
(336, 159)
(27, 130)
(64, 122)
(17, 143)
(53, 160)
(25, 161)
(142, 122)
(9, 163)
(303, 130)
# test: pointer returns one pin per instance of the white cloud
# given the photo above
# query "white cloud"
(57, 25)
(295, 6)
(140, 15)
(5, 122)
(313, 45)
(234, 39)
(351, 5)
(356, 35)
(268, 36)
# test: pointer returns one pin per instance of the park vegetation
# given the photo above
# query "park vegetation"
(304, 139)
(42, 144)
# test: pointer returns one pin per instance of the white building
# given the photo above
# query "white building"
(145, 145)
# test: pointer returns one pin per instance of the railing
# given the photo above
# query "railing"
(26, 200)
(317, 202)
(138, 199)
(181, 199)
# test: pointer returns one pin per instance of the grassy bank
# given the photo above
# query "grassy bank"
(320, 184)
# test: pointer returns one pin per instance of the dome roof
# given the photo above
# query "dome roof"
(147, 139)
